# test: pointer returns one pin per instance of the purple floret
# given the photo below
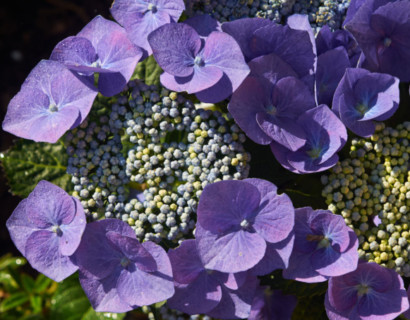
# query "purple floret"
(141, 17)
(272, 305)
(118, 273)
(382, 29)
(362, 98)
(103, 47)
(236, 222)
(325, 136)
(202, 291)
(324, 247)
(370, 292)
(51, 101)
(212, 70)
(47, 228)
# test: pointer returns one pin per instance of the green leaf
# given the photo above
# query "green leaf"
(36, 303)
(28, 283)
(28, 162)
(42, 283)
(9, 261)
(15, 300)
(8, 281)
(148, 71)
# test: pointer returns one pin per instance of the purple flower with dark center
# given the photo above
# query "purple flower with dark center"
(236, 221)
(268, 111)
(200, 290)
(382, 29)
(51, 101)
(118, 273)
(141, 17)
(47, 228)
(324, 247)
(103, 47)
(370, 292)
(195, 67)
(272, 305)
(327, 40)
(325, 136)
(363, 97)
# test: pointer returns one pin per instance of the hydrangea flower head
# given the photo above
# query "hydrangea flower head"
(272, 305)
(200, 291)
(236, 220)
(117, 272)
(193, 67)
(369, 292)
(141, 17)
(267, 111)
(325, 136)
(47, 228)
(101, 46)
(51, 101)
(363, 97)
(382, 29)
(324, 247)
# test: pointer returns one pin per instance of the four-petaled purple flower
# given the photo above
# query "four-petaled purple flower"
(212, 70)
(236, 221)
(118, 273)
(51, 101)
(103, 47)
(363, 97)
(382, 30)
(141, 17)
(369, 292)
(47, 228)
(202, 291)
(324, 247)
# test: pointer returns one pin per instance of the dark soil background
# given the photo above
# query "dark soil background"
(29, 30)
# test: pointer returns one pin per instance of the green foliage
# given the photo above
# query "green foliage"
(69, 302)
(28, 162)
(148, 70)
(310, 308)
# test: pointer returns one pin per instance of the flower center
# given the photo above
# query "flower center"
(244, 224)
(56, 229)
(271, 110)
(199, 61)
(208, 271)
(362, 289)
(52, 108)
(323, 242)
(362, 109)
(314, 153)
(152, 7)
(387, 42)
(125, 262)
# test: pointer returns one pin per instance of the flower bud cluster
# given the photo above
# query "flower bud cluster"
(148, 159)
(371, 190)
(320, 12)
(170, 314)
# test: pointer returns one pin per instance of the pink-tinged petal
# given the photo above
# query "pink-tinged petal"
(185, 270)
(74, 51)
(139, 288)
(264, 186)
(218, 92)
(234, 252)
(198, 297)
(340, 294)
(222, 51)
(225, 204)
(204, 24)
(271, 67)
(281, 154)
(20, 227)
(248, 100)
(49, 205)
(175, 47)
(102, 293)
(275, 218)
(133, 250)
(236, 304)
(232, 281)
(72, 232)
(276, 256)
(174, 8)
(202, 78)
(43, 254)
